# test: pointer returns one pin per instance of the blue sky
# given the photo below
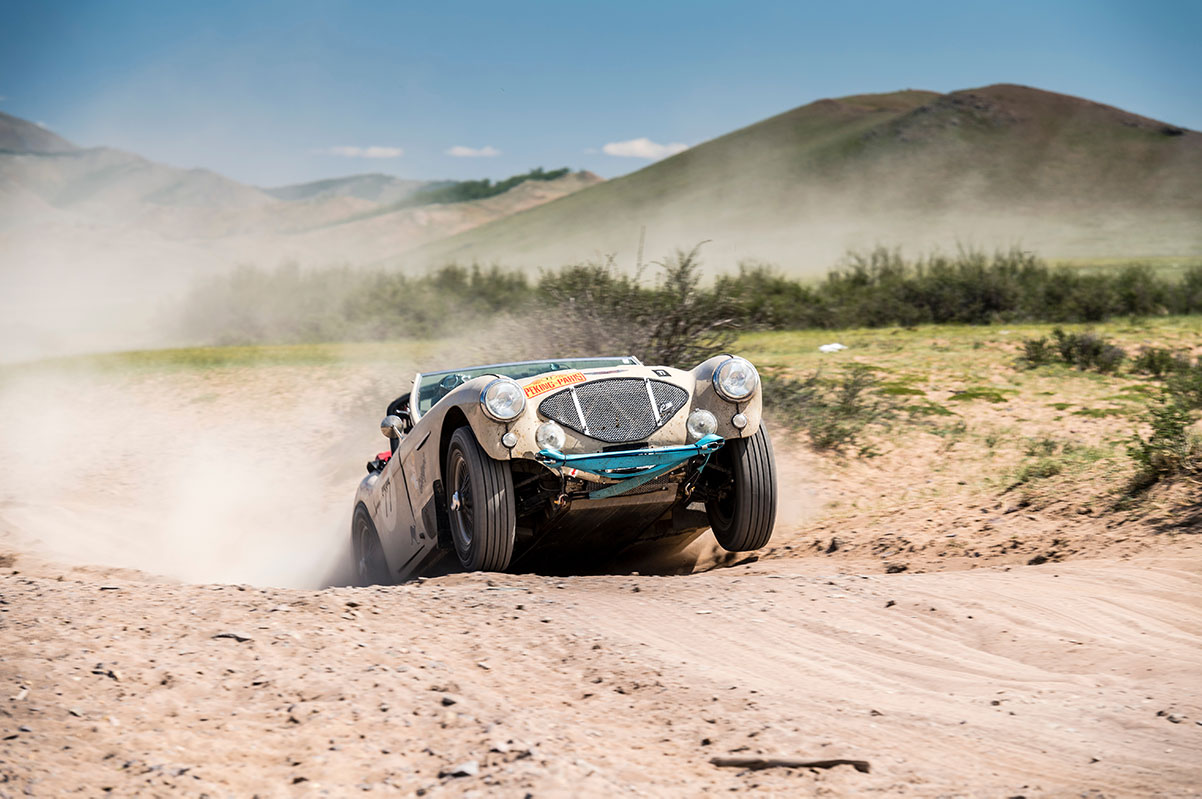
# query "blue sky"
(281, 92)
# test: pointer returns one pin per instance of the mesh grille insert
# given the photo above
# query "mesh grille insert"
(617, 410)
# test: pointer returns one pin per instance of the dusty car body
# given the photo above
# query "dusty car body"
(502, 465)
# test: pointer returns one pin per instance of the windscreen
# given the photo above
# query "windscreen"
(436, 385)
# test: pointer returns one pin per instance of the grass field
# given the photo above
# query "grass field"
(968, 382)
(954, 347)
(956, 434)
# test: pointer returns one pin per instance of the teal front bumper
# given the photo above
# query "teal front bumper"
(627, 469)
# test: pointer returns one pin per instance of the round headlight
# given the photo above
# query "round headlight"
(550, 436)
(503, 399)
(701, 423)
(736, 379)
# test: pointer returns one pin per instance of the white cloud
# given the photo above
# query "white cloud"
(643, 148)
(374, 151)
(459, 151)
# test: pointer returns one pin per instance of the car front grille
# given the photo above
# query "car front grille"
(617, 410)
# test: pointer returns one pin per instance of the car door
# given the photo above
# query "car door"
(395, 519)
(420, 461)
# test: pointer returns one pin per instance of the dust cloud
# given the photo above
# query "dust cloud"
(215, 477)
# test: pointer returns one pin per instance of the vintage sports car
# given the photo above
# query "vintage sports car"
(514, 464)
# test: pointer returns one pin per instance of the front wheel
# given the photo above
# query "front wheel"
(480, 504)
(370, 566)
(743, 513)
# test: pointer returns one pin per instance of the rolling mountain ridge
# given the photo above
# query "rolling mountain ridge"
(998, 166)
(94, 241)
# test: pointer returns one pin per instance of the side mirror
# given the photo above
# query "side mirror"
(391, 426)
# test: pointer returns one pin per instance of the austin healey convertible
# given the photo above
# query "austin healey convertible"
(520, 463)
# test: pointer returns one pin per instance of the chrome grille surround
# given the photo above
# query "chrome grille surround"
(617, 410)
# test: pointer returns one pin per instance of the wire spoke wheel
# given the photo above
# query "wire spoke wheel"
(722, 509)
(480, 506)
(461, 503)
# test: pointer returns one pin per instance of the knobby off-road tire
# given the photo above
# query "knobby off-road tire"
(743, 519)
(370, 566)
(480, 504)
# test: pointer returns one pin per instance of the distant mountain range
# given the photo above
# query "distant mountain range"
(95, 238)
(45, 177)
(993, 167)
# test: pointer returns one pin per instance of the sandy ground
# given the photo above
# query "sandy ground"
(168, 670)
(1082, 680)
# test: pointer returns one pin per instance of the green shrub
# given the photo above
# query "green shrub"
(686, 324)
(1037, 352)
(1171, 449)
(1139, 292)
(1187, 298)
(675, 322)
(1088, 351)
(1158, 362)
(772, 301)
(1186, 386)
(870, 289)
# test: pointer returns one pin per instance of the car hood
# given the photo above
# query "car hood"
(548, 382)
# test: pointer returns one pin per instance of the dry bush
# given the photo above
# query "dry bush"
(594, 309)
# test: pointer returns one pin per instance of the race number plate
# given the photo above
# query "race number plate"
(552, 382)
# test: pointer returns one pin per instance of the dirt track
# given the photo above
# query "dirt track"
(1061, 679)
(1032, 681)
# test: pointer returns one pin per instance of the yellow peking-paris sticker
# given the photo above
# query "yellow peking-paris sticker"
(552, 382)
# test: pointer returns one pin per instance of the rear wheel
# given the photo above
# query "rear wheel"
(744, 512)
(480, 504)
(370, 566)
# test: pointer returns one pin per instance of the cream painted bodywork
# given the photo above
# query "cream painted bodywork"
(401, 498)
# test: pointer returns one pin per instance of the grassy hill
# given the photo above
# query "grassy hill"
(997, 166)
